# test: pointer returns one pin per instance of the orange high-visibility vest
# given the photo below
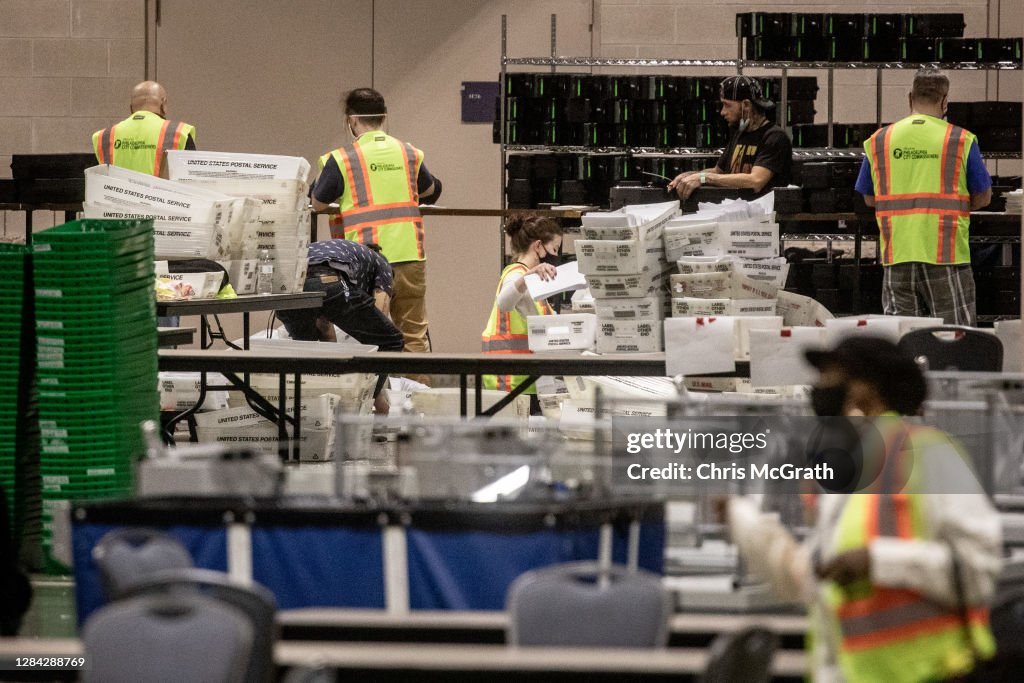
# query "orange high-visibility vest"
(893, 634)
(507, 333)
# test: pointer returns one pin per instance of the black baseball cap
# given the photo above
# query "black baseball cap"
(739, 88)
(879, 362)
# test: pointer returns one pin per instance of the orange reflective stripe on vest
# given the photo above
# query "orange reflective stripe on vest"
(889, 615)
(105, 148)
(909, 218)
(880, 166)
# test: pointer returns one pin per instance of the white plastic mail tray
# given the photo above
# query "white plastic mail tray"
(570, 332)
(629, 337)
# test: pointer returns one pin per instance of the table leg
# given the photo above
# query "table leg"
(28, 227)
(509, 397)
(204, 328)
(297, 429)
(463, 388)
(282, 423)
(479, 396)
(245, 330)
(187, 414)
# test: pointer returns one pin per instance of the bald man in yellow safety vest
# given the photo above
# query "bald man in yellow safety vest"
(139, 142)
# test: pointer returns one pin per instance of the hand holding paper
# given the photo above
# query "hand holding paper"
(567, 279)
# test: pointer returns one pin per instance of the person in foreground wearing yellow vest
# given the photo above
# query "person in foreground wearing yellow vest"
(139, 142)
(924, 176)
(898, 578)
(535, 243)
(378, 182)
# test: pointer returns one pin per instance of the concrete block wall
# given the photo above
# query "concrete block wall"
(66, 70)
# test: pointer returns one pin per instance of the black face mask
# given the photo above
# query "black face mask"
(828, 401)
(551, 259)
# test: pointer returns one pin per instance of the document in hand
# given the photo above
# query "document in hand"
(568, 279)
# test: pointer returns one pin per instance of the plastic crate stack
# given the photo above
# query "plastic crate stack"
(96, 357)
(15, 354)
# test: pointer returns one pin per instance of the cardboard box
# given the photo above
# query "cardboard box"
(755, 238)
(571, 332)
(629, 337)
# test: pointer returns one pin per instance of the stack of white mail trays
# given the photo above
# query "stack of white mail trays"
(274, 191)
(728, 266)
(622, 256)
(219, 206)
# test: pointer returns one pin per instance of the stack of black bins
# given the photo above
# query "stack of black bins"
(42, 179)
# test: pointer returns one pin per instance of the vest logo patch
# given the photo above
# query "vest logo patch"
(133, 145)
(386, 167)
(913, 154)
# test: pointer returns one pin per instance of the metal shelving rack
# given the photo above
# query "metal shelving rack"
(554, 61)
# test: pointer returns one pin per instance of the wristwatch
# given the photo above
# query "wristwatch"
(703, 178)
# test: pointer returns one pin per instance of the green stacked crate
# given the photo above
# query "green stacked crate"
(12, 356)
(96, 355)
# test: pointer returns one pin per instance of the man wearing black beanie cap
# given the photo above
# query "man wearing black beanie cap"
(759, 155)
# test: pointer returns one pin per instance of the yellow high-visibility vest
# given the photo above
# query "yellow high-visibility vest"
(890, 634)
(380, 203)
(507, 333)
(139, 142)
(922, 205)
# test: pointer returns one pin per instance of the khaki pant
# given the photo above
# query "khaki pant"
(409, 308)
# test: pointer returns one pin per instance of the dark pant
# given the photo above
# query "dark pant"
(351, 309)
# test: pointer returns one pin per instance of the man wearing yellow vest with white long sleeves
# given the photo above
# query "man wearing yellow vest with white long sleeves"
(898, 574)
(139, 142)
(924, 176)
(378, 182)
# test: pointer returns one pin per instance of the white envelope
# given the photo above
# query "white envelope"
(567, 279)
(777, 356)
(699, 346)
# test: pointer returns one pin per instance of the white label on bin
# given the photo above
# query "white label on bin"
(101, 472)
(55, 450)
(41, 248)
(56, 480)
(50, 324)
(50, 293)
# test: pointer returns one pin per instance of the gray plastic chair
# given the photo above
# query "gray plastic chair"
(167, 639)
(578, 604)
(253, 600)
(952, 347)
(741, 657)
(127, 556)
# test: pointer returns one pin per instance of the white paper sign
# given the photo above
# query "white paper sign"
(699, 346)
(777, 356)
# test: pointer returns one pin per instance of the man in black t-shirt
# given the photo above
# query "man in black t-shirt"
(760, 154)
